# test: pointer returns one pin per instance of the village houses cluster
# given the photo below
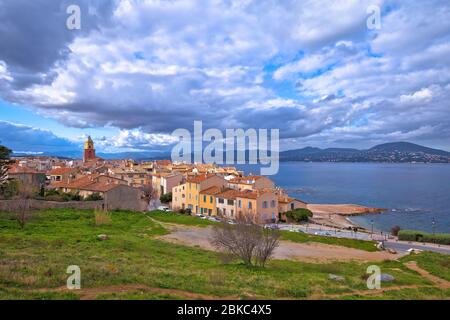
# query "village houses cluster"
(203, 189)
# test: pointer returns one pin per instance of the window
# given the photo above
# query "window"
(249, 205)
(204, 198)
(232, 212)
(230, 202)
(220, 200)
(239, 203)
(264, 205)
(272, 204)
(210, 199)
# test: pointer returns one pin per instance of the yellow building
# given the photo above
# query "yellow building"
(198, 183)
(208, 201)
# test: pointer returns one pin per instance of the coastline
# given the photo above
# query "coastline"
(337, 215)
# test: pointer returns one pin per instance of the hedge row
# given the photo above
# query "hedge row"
(411, 235)
(299, 215)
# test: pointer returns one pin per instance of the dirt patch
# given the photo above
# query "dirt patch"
(200, 237)
(93, 293)
(342, 209)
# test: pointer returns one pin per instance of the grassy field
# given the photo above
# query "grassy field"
(350, 243)
(33, 263)
(177, 218)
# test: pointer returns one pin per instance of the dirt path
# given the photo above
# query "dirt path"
(441, 283)
(314, 252)
(93, 293)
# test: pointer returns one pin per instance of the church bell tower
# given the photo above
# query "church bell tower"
(89, 151)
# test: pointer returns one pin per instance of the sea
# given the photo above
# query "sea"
(416, 196)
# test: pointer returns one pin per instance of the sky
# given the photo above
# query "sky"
(137, 70)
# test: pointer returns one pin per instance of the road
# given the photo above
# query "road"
(399, 246)
(402, 246)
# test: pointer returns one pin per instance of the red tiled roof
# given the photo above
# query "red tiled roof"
(211, 191)
(61, 171)
(200, 178)
(245, 180)
(100, 187)
(228, 194)
(248, 194)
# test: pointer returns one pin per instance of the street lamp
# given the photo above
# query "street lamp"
(371, 222)
(433, 225)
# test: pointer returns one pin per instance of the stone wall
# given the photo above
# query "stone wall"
(11, 205)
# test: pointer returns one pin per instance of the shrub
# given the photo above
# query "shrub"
(166, 198)
(412, 235)
(55, 197)
(299, 215)
(94, 197)
(10, 189)
(102, 217)
(248, 242)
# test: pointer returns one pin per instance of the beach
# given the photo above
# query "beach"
(335, 215)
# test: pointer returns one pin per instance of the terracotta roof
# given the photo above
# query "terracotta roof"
(211, 191)
(77, 183)
(248, 194)
(200, 178)
(100, 187)
(19, 169)
(245, 180)
(286, 199)
(163, 162)
(228, 194)
(86, 183)
(61, 171)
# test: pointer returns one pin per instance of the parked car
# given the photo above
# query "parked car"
(199, 215)
(164, 208)
(231, 222)
(214, 219)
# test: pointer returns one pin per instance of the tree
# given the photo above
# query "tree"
(299, 215)
(23, 212)
(166, 198)
(94, 197)
(4, 162)
(395, 230)
(246, 241)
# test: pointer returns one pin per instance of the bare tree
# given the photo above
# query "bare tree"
(246, 241)
(269, 242)
(23, 212)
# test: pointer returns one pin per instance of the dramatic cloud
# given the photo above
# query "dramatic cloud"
(313, 69)
(21, 138)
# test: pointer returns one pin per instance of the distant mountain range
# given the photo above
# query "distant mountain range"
(387, 152)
